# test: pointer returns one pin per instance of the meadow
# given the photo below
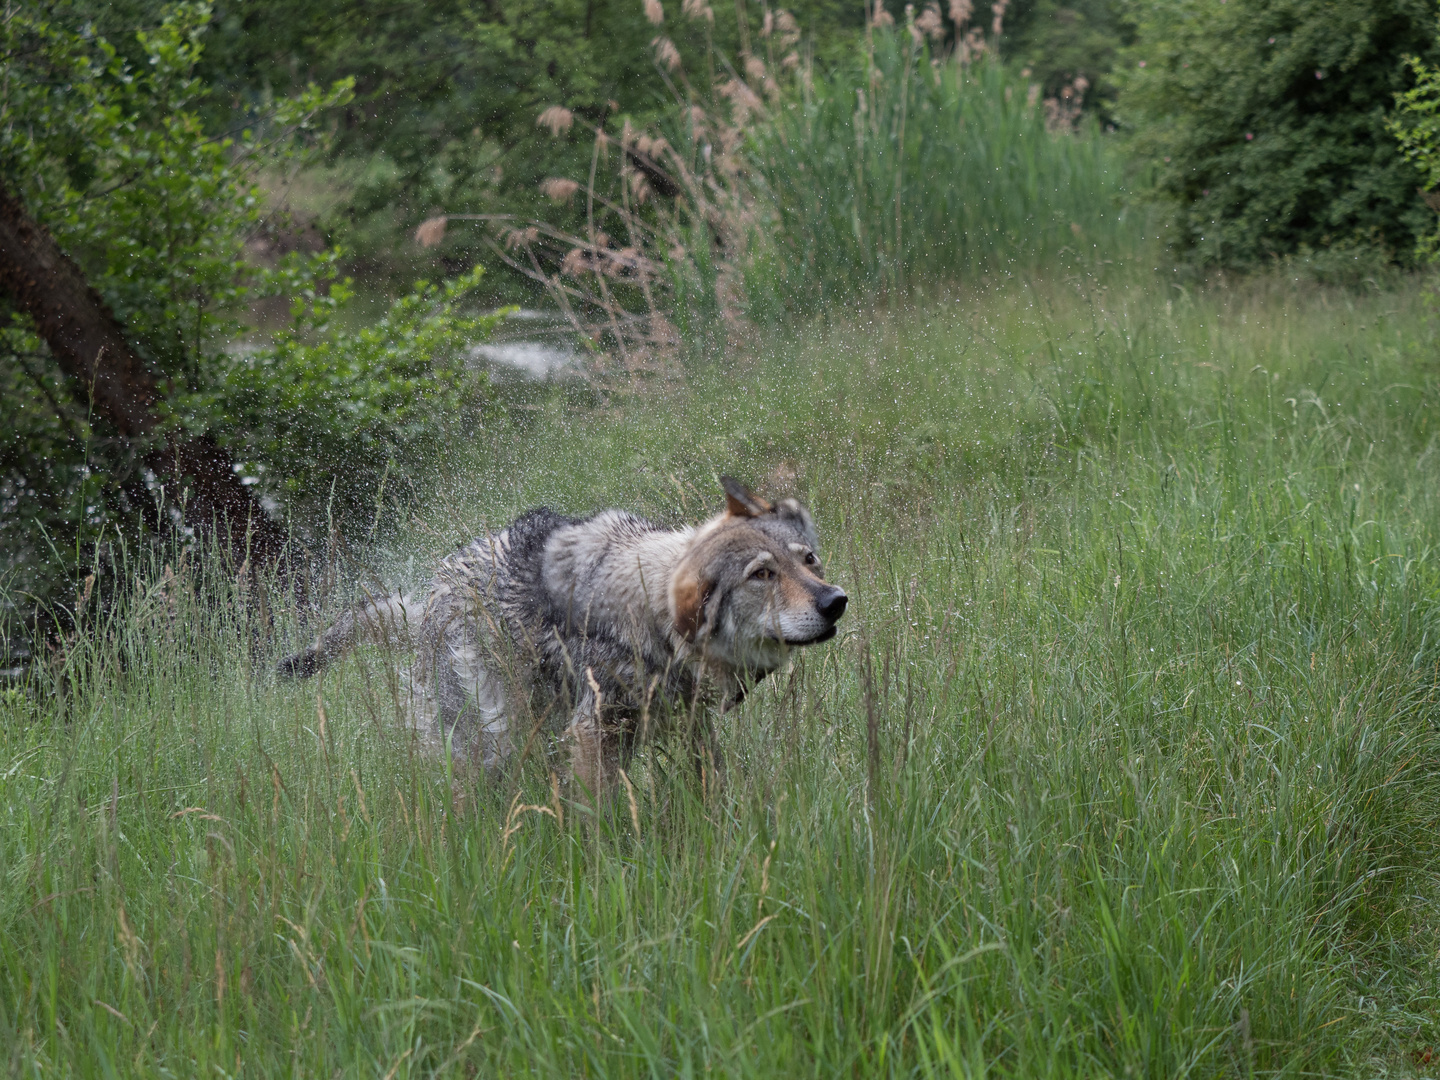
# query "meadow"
(1125, 762)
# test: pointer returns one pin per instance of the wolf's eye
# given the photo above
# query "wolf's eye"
(810, 559)
(763, 574)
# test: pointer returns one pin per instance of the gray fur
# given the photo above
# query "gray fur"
(606, 628)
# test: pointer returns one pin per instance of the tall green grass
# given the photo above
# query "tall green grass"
(882, 177)
(895, 170)
(1125, 763)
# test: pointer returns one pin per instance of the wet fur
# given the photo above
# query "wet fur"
(607, 628)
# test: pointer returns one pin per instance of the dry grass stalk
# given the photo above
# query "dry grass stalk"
(663, 199)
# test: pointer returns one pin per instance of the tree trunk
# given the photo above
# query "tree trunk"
(89, 344)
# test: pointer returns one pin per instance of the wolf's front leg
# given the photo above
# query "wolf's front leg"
(597, 745)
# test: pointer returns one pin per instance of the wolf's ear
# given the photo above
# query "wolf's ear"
(688, 594)
(740, 501)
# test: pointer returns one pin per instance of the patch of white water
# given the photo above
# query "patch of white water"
(537, 359)
(546, 350)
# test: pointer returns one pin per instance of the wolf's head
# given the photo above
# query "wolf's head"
(752, 586)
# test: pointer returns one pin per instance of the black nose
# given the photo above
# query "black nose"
(831, 604)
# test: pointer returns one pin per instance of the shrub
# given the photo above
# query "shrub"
(1264, 123)
(322, 396)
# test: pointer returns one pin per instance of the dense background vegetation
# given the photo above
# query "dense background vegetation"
(1100, 336)
(216, 170)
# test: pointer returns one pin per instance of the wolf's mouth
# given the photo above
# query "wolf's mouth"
(824, 635)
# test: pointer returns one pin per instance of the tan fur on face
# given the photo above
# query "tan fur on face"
(687, 596)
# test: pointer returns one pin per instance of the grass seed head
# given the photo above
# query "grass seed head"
(654, 12)
(742, 98)
(960, 11)
(557, 189)
(557, 118)
(639, 186)
(696, 10)
(576, 262)
(930, 23)
(430, 232)
(786, 28)
(518, 238)
(666, 52)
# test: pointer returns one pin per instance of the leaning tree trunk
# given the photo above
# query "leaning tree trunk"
(89, 344)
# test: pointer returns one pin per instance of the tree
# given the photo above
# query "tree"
(89, 347)
(1264, 122)
(116, 180)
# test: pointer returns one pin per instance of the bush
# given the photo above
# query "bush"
(323, 396)
(1264, 122)
(1416, 124)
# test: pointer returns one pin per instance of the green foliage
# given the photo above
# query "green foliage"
(447, 93)
(114, 158)
(322, 395)
(942, 172)
(1059, 42)
(1147, 629)
(115, 162)
(1416, 126)
(1263, 123)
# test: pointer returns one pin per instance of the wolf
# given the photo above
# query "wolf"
(604, 629)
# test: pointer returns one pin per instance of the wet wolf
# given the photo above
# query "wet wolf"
(606, 628)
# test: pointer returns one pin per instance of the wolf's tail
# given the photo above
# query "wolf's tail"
(388, 621)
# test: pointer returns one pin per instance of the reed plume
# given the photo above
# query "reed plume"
(431, 231)
(557, 118)
(666, 53)
(559, 190)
